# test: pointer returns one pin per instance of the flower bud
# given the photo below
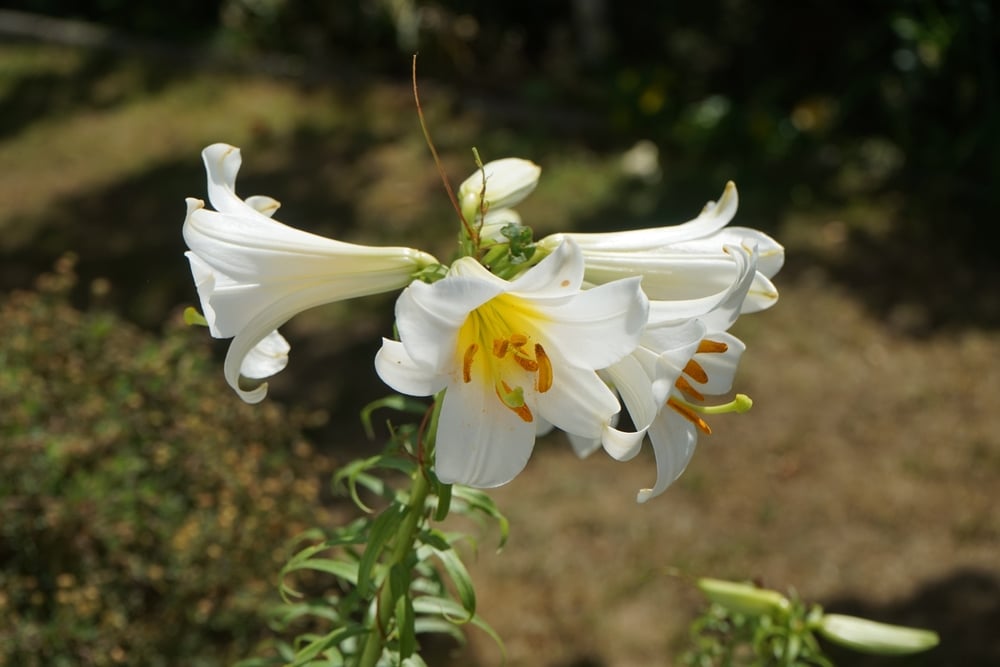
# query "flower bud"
(872, 637)
(744, 598)
(508, 181)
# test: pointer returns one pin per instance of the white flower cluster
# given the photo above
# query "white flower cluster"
(586, 323)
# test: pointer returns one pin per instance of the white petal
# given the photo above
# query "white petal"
(557, 276)
(400, 372)
(507, 182)
(633, 384)
(268, 357)
(720, 367)
(713, 217)
(674, 439)
(771, 254)
(599, 326)
(222, 163)
(429, 316)
(480, 443)
(263, 205)
(762, 295)
(583, 447)
(578, 402)
(665, 275)
(622, 445)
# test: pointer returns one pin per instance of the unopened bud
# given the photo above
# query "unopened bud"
(744, 598)
(867, 636)
(508, 181)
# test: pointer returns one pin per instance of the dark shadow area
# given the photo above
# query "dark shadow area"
(918, 287)
(963, 608)
(93, 80)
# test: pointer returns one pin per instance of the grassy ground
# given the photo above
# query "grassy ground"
(865, 477)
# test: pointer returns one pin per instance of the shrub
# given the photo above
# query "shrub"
(145, 508)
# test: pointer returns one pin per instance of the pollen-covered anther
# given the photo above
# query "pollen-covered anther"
(470, 355)
(500, 347)
(688, 413)
(685, 388)
(526, 362)
(543, 379)
(712, 346)
(696, 372)
(518, 340)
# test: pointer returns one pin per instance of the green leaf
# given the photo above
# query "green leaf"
(405, 617)
(449, 609)
(443, 501)
(481, 502)
(394, 402)
(383, 528)
(454, 568)
(426, 625)
(341, 569)
(318, 645)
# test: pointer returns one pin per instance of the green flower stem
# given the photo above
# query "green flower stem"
(403, 546)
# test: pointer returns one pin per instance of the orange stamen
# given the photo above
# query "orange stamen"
(712, 346)
(543, 381)
(685, 387)
(500, 346)
(690, 415)
(527, 363)
(470, 354)
(518, 340)
(697, 373)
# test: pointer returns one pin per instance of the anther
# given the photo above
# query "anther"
(688, 413)
(543, 381)
(500, 347)
(697, 373)
(470, 354)
(527, 363)
(712, 346)
(685, 388)
(518, 340)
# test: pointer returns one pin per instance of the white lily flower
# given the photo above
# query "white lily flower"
(254, 273)
(507, 182)
(683, 356)
(511, 356)
(686, 261)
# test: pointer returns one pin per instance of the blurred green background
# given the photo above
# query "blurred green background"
(866, 136)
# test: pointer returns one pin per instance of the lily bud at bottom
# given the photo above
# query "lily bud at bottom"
(867, 636)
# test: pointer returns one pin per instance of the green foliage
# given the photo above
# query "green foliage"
(750, 626)
(362, 593)
(145, 509)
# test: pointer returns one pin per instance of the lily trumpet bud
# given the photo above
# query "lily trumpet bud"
(499, 184)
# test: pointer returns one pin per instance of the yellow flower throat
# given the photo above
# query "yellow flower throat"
(496, 345)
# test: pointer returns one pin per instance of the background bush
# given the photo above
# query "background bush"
(144, 506)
